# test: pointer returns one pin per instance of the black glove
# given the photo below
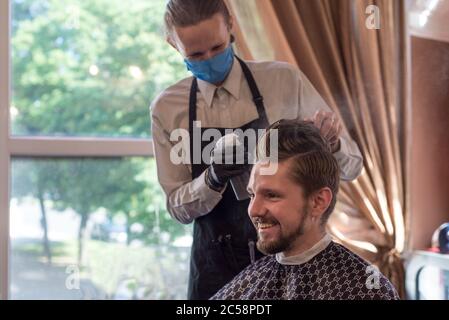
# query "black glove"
(219, 173)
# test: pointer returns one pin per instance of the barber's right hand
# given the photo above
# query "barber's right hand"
(224, 166)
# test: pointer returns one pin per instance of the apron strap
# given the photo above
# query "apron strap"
(257, 97)
(192, 114)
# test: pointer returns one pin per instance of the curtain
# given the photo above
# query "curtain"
(363, 75)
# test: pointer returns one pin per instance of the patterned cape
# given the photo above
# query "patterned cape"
(335, 273)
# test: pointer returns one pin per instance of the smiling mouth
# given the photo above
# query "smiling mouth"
(264, 226)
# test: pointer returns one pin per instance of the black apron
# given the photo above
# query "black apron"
(224, 239)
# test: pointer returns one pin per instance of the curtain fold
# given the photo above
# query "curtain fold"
(362, 74)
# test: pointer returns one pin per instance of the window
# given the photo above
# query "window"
(81, 212)
(94, 65)
(91, 228)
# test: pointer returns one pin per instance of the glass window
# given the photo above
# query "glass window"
(94, 229)
(88, 67)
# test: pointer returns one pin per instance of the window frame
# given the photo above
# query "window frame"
(41, 146)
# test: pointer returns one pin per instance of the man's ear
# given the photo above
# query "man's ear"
(320, 201)
(231, 23)
(231, 28)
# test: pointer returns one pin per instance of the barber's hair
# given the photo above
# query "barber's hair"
(185, 13)
(313, 166)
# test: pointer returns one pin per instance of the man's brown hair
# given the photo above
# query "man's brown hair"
(313, 166)
(184, 13)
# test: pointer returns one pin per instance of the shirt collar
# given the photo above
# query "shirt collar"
(307, 255)
(231, 84)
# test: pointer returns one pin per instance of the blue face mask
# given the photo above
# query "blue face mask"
(214, 70)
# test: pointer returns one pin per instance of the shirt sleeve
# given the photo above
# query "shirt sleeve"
(187, 199)
(349, 158)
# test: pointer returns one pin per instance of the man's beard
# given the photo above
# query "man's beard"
(284, 242)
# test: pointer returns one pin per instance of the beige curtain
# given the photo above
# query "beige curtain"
(362, 74)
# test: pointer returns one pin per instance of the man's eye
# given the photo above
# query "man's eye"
(251, 195)
(195, 55)
(271, 195)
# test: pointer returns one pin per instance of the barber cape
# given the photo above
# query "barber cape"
(327, 271)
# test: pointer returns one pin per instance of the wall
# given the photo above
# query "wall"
(430, 148)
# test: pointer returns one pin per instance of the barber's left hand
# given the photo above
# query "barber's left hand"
(330, 128)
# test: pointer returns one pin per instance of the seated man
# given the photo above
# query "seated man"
(290, 210)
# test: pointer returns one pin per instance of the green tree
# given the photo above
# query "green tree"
(91, 68)
(30, 180)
